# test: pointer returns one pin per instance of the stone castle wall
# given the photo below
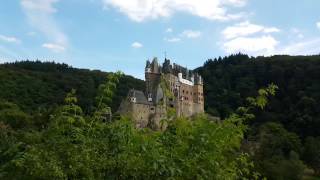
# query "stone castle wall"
(185, 95)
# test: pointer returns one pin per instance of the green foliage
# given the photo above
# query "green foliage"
(106, 91)
(228, 81)
(48, 133)
(261, 100)
(35, 85)
(311, 153)
(277, 154)
(12, 115)
(78, 147)
(165, 87)
(171, 112)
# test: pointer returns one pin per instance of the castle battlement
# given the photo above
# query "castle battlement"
(149, 107)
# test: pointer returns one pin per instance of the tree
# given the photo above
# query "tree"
(312, 153)
(13, 116)
(106, 92)
(277, 156)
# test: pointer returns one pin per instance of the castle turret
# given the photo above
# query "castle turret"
(166, 66)
(148, 67)
(198, 93)
(155, 66)
(152, 77)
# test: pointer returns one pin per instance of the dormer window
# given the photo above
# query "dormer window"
(148, 70)
(133, 99)
(149, 97)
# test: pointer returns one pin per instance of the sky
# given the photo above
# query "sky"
(112, 35)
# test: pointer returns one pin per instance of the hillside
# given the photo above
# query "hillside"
(230, 80)
(44, 134)
(34, 85)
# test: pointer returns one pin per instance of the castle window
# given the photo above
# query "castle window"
(183, 91)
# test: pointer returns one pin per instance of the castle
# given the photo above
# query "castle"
(169, 88)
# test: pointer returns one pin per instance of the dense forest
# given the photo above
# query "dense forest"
(291, 121)
(42, 85)
(230, 80)
(51, 125)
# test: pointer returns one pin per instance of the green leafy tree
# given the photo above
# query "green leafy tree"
(278, 154)
(312, 153)
(106, 92)
(13, 116)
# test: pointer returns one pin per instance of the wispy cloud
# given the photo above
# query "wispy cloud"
(10, 39)
(245, 29)
(191, 34)
(172, 40)
(136, 45)
(40, 15)
(305, 47)
(169, 30)
(54, 47)
(295, 32)
(141, 10)
(318, 25)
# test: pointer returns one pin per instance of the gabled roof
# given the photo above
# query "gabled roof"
(140, 97)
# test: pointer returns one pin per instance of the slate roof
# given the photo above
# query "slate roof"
(140, 97)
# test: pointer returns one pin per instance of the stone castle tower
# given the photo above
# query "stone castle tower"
(169, 86)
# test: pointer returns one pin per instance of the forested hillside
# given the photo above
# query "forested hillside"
(287, 130)
(50, 131)
(40, 85)
(230, 80)
(71, 144)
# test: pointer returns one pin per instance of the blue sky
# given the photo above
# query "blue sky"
(121, 35)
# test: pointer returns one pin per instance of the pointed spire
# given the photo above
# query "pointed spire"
(148, 64)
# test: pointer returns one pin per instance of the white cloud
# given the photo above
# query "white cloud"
(172, 40)
(54, 47)
(141, 10)
(307, 47)
(271, 30)
(136, 45)
(9, 39)
(44, 6)
(249, 38)
(295, 32)
(191, 34)
(246, 29)
(40, 15)
(318, 24)
(264, 45)
(169, 30)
